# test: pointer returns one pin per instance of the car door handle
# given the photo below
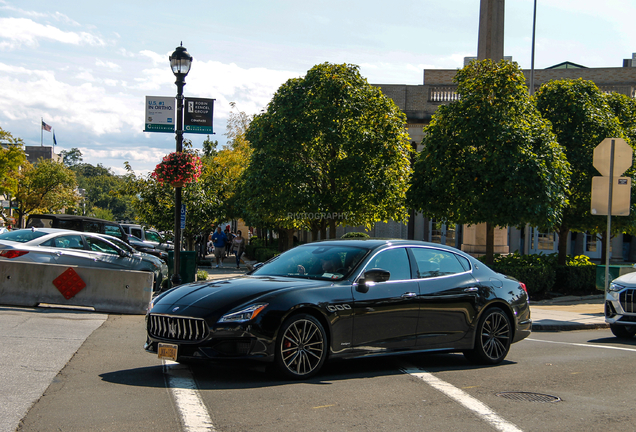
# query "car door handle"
(409, 295)
(471, 289)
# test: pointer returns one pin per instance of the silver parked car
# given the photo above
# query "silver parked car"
(83, 249)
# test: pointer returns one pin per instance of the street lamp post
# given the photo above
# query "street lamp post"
(180, 62)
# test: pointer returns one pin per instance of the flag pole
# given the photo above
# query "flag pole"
(41, 132)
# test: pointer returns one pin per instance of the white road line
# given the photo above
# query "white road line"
(192, 410)
(482, 410)
(584, 345)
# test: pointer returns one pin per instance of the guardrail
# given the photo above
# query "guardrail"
(105, 290)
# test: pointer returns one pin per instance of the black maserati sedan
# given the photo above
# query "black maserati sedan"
(343, 299)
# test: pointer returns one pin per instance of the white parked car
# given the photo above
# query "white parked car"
(620, 306)
(83, 249)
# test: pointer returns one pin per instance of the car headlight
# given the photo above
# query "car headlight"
(243, 315)
(616, 287)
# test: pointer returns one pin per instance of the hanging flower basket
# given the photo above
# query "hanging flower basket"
(178, 169)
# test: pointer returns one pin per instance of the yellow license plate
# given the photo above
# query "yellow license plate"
(167, 351)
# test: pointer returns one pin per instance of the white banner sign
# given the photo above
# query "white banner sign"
(160, 114)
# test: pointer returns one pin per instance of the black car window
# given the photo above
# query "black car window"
(99, 245)
(436, 262)
(315, 262)
(74, 225)
(136, 232)
(396, 261)
(22, 236)
(112, 230)
(37, 222)
(91, 227)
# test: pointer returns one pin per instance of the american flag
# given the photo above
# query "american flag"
(46, 127)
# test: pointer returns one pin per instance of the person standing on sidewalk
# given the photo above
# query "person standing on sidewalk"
(238, 247)
(219, 240)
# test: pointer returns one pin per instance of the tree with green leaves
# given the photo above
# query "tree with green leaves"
(71, 157)
(490, 157)
(154, 202)
(47, 187)
(329, 146)
(581, 118)
(11, 158)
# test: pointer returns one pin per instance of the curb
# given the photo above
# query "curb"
(567, 327)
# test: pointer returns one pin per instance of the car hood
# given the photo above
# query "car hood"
(200, 299)
(628, 279)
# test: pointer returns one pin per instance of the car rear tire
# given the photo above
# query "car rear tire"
(492, 338)
(623, 331)
(301, 348)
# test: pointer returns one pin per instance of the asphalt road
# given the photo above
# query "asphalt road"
(111, 384)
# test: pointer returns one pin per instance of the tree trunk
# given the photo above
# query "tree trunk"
(323, 230)
(490, 243)
(563, 245)
(332, 228)
(285, 239)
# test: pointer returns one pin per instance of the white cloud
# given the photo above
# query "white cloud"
(108, 64)
(22, 31)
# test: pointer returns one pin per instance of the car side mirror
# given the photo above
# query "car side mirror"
(371, 276)
(123, 253)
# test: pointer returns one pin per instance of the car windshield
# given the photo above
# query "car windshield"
(122, 244)
(314, 262)
(22, 236)
(153, 236)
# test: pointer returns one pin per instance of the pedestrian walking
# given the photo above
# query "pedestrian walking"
(238, 246)
(228, 245)
(219, 240)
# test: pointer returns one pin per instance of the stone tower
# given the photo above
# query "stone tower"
(491, 30)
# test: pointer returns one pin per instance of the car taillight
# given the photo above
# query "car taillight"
(12, 253)
(522, 285)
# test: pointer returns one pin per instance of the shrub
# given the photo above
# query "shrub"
(354, 234)
(202, 275)
(543, 276)
(539, 280)
(263, 254)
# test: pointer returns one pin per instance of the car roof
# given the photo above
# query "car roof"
(71, 217)
(374, 243)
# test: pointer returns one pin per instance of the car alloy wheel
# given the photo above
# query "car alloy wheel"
(492, 338)
(302, 347)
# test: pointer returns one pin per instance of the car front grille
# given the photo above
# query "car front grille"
(177, 328)
(627, 299)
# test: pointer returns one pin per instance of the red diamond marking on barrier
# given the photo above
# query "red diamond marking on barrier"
(69, 283)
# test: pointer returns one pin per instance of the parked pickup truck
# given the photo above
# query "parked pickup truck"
(148, 235)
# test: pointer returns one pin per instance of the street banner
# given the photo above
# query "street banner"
(198, 116)
(160, 114)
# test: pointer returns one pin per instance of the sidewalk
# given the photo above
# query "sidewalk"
(229, 267)
(569, 313)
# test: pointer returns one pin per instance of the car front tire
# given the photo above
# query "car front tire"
(301, 348)
(623, 331)
(492, 338)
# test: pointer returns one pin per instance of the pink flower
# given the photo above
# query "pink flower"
(183, 167)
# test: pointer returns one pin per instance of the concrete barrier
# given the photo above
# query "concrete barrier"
(106, 290)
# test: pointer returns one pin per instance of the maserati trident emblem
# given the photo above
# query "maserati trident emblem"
(172, 329)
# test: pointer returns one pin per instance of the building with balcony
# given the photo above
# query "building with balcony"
(419, 103)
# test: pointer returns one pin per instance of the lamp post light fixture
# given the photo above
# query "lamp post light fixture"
(180, 62)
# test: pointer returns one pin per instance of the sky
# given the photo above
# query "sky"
(85, 67)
